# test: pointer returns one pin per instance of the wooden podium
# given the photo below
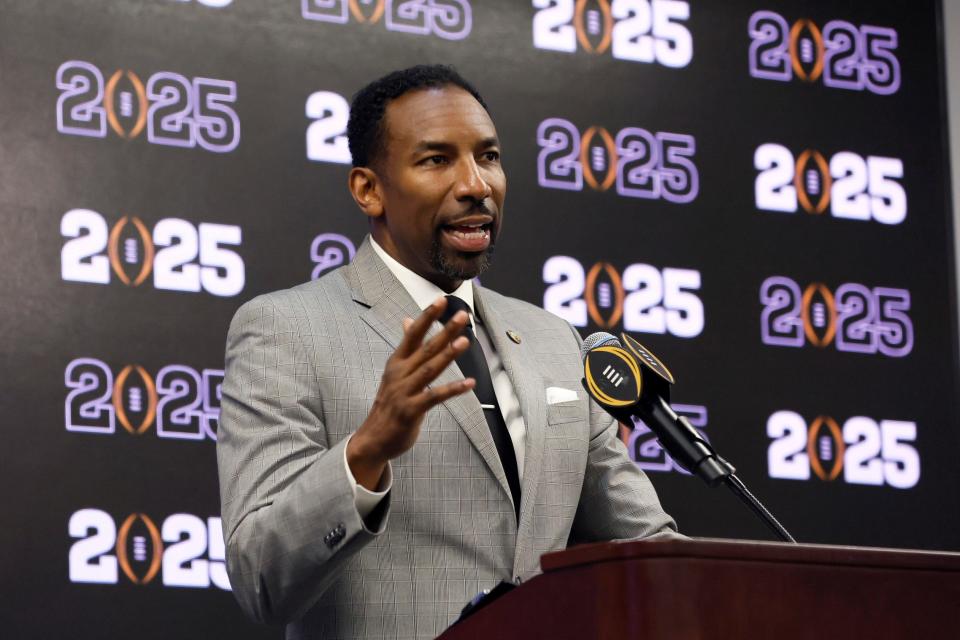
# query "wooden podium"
(725, 589)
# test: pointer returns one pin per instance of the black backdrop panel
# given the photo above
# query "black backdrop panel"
(757, 192)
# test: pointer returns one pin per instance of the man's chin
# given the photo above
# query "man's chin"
(459, 265)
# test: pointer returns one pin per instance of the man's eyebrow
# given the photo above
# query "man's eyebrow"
(436, 145)
(432, 145)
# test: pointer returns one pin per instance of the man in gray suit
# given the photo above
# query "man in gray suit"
(370, 489)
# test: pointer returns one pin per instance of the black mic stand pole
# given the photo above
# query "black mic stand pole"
(702, 460)
(757, 507)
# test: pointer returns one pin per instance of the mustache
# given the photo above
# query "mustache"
(481, 207)
(478, 206)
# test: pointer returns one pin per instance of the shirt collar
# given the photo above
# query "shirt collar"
(420, 289)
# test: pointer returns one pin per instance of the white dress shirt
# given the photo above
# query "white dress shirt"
(424, 293)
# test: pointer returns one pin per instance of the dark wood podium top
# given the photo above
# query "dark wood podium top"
(718, 549)
(709, 588)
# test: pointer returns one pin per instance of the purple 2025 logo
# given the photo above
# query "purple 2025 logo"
(447, 19)
(174, 110)
(858, 319)
(639, 163)
(844, 55)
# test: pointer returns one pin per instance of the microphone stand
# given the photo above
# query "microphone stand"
(607, 365)
(685, 445)
(741, 491)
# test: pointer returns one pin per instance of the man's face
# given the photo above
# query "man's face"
(442, 186)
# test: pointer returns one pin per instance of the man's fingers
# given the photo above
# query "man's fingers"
(413, 333)
(432, 396)
(437, 343)
(426, 372)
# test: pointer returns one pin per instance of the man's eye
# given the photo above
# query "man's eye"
(492, 156)
(435, 160)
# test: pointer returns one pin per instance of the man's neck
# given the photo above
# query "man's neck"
(422, 290)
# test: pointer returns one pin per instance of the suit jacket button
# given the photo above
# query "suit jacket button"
(334, 537)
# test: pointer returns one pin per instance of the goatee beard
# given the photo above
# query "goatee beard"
(467, 270)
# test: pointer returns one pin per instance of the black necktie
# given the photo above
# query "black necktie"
(473, 364)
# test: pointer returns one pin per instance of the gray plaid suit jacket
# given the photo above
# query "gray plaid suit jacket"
(302, 368)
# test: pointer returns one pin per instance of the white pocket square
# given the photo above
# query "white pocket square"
(559, 394)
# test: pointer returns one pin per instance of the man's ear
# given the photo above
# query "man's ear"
(364, 186)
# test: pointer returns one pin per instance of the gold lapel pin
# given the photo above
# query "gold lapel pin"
(513, 335)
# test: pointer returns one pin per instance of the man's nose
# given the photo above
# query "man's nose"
(470, 183)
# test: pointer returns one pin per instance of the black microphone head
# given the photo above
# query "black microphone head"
(598, 339)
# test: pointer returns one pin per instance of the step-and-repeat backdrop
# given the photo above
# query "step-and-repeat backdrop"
(755, 189)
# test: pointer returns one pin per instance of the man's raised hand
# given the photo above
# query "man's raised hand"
(405, 394)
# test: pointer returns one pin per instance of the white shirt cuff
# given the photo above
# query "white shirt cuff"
(366, 500)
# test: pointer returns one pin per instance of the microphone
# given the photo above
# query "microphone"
(630, 382)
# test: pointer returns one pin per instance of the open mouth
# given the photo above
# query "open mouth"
(468, 236)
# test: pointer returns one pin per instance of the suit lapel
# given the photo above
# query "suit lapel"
(518, 362)
(386, 304)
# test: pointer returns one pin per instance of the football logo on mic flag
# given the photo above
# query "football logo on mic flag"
(612, 377)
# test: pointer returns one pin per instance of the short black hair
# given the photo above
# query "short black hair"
(365, 128)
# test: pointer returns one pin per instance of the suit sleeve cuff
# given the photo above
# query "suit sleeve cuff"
(364, 499)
